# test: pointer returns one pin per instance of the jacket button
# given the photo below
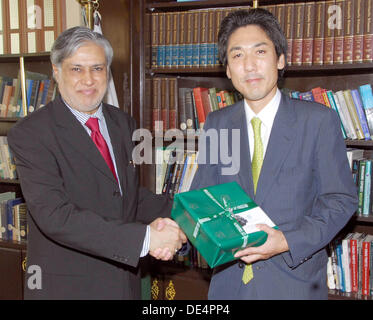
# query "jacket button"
(241, 264)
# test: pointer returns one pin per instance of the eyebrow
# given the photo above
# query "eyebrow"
(254, 46)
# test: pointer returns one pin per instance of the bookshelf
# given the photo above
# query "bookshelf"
(296, 77)
(14, 252)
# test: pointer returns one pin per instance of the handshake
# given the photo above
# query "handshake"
(166, 238)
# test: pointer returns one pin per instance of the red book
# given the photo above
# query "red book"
(201, 100)
(317, 95)
(366, 267)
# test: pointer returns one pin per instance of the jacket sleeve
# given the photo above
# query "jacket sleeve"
(336, 201)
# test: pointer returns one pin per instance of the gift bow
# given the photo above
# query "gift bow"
(228, 212)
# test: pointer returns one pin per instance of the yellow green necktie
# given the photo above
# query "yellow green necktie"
(256, 167)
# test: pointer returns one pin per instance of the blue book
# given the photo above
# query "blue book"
(360, 112)
(367, 101)
(367, 187)
(338, 249)
(308, 96)
(9, 215)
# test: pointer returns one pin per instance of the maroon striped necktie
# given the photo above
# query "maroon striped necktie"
(100, 142)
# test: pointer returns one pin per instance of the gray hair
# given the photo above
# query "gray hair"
(72, 39)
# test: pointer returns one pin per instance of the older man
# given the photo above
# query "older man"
(89, 220)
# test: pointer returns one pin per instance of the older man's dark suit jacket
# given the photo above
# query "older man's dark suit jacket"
(83, 234)
(305, 187)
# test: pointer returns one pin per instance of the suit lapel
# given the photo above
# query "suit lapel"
(280, 141)
(74, 134)
(116, 137)
(243, 162)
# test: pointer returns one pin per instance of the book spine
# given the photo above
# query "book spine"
(154, 39)
(367, 187)
(196, 38)
(182, 38)
(289, 21)
(168, 39)
(360, 112)
(361, 186)
(156, 108)
(353, 113)
(173, 104)
(218, 20)
(162, 41)
(308, 33)
(189, 39)
(165, 102)
(175, 39)
(354, 264)
(211, 38)
(329, 27)
(368, 31)
(197, 93)
(339, 35)
(182, 111)
(348, 41)
(318, 42)
(204, 37)
(298, 34)
(358, 39)
(365, 267)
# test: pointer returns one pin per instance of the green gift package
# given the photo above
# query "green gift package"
(219, 221)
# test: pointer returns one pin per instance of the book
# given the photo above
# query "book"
(339, 35)
(4, 197)
(318, 42)
(360, 112)
(308, 33)
(289, 31)
(358, 37)
(367, 187)
(9, 214)
(298, 34)
(346, 262)
(348, 41)
(368, 32)
(354, 261)
(329, 27)
(366, 246)
(367, 101)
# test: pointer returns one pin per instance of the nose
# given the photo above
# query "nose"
(87, 78)
(249, 63)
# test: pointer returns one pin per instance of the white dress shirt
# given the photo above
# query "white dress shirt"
(267, 117)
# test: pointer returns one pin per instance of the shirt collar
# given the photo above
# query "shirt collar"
(83, 117)
(268, 113)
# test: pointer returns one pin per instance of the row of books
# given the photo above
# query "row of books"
(7, 164)
(13, 217)
(39, 91)
(350, 263)
(185, 108)
(318, 32)
(361, 168)
(353, 106)
(175, 170)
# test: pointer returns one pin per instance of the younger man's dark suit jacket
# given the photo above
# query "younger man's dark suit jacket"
(305, 187)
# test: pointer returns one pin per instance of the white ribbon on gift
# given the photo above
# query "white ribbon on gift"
(228, 213)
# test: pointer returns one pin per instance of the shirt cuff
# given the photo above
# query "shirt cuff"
(146, 244)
